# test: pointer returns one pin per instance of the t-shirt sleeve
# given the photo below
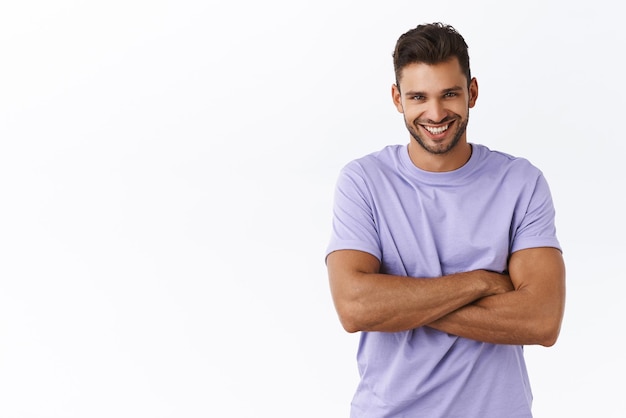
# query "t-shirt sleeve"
(537, 226)
(353, 222)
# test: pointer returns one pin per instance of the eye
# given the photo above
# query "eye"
(450, 94)
(418, 97)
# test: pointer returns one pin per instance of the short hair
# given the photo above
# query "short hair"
(430, 43)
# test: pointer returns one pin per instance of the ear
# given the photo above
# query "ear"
(397, 98)
(473, 92)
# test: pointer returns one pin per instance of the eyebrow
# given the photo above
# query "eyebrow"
(421, 93)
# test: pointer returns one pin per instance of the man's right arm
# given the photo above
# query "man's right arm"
(366, 300)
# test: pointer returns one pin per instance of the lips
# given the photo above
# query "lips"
(436, 130)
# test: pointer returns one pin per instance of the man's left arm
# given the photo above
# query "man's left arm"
(530, 314)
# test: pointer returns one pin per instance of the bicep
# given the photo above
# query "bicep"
(344, 265)
(537, 267)
(345, 271)
(540, 273)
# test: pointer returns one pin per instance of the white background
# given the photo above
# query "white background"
(166, 178)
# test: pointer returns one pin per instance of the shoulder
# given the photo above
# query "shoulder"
(373, 171)
(505, 163)
(382, 160)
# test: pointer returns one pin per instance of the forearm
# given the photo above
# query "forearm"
(369, 301)
(499, 319)
(393, 303)
(530, 314)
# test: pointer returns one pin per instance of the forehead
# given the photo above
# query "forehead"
(424, 77)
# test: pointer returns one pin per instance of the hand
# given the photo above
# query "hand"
(497, 283)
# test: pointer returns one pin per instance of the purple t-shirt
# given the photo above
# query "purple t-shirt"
(427, 224)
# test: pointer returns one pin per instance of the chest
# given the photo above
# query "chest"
(427, 232)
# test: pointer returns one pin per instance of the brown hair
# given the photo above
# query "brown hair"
(431, 43)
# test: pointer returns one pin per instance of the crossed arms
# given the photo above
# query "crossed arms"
(522, 307)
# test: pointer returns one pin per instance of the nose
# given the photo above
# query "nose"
(435, 111)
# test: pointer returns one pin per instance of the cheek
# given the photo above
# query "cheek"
(461, 110)
(412, 112)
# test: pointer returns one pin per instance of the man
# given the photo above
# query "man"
(443, 253)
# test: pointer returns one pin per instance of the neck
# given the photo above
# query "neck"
(450, 161)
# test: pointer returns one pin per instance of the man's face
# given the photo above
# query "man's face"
(435, 101)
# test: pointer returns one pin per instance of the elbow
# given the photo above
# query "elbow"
(350, 328)
(355, 316)
(546, 341)
(549, 338)
(548, 334)
(352, 312)
(550, 327)
(349, 320)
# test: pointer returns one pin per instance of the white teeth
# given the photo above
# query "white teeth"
(436, 131)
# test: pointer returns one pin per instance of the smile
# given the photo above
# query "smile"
(436, 130)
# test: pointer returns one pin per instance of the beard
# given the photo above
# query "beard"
(443, 148)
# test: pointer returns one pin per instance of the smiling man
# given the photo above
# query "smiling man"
(435, 100)
(443, 253)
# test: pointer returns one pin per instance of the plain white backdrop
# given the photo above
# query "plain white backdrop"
(166, 179)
